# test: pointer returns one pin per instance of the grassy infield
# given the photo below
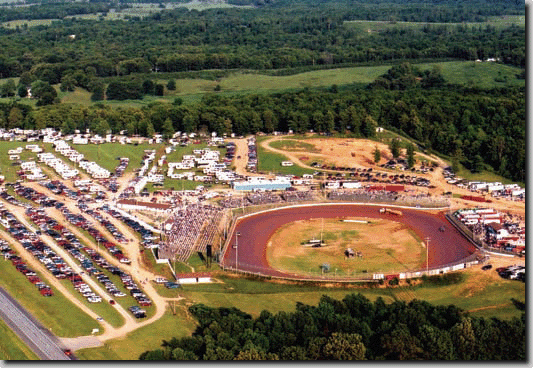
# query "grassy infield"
(248, 295)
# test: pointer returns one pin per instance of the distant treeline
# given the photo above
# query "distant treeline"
(353, 328)
(269, 37)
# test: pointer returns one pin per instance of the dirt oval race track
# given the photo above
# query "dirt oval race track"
(255, 231)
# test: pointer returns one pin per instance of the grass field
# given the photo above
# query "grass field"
(482, 293)
(56, 313)
(269, 162)
(191, 90)
(293, 146)
(30, 23)
(369, 27)
(144, 339)
(385, 246)
(107, 154)
(12, 348)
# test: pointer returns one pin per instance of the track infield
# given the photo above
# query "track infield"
(252, 234)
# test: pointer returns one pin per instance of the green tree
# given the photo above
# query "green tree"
(149, 130)
(328, 124)
(158, 90)
(269, 120)
(345, 347)
(254, 355)
(167, 129)
(44, 92)
(464, 340)
(68, 83)
(171, 85)
(477, 164)
(410, 155)
(8, 88)
(148, 87)
(22, 91)
(376, 155)
(15, 118)
(26, 79)
(395, 144)
(101, 127)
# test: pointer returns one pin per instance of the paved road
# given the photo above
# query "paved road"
(43, 343)
(255, 231)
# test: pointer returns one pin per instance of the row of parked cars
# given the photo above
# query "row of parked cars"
(20, 265)
(80, 221)
(512, 272)
(32, 242)
(108, 225)
(135, 292)
(146, 235)
(70, 243)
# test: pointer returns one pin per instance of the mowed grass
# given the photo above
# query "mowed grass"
(294, 146)
(12, 348)
(485, 74)
(56, 313)
(29, 23)
(481, 293)
(484, 294)
(484, 298)
(147, 338)
(369, 27)
(385, 246)
(6, 169)
(107, 154)
(269, 162)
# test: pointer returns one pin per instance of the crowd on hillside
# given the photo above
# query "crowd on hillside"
(188, 226)
(381, 196)
(258, 198)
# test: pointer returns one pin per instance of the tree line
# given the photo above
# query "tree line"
(264, 38)
(481, 128)
(353, 328)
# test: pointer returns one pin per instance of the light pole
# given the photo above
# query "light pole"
(427, 239)
(237, 234)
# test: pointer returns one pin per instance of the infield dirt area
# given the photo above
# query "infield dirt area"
(379, 246)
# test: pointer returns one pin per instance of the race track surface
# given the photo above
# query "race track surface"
(255, 231)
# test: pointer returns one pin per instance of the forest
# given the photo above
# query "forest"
(267, 37)
(353, 328)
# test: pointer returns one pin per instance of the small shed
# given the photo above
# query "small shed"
(194, 278)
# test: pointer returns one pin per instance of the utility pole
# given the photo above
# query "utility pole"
(237, 234)
(427, 239)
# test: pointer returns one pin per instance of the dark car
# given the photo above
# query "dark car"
(486, 267)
